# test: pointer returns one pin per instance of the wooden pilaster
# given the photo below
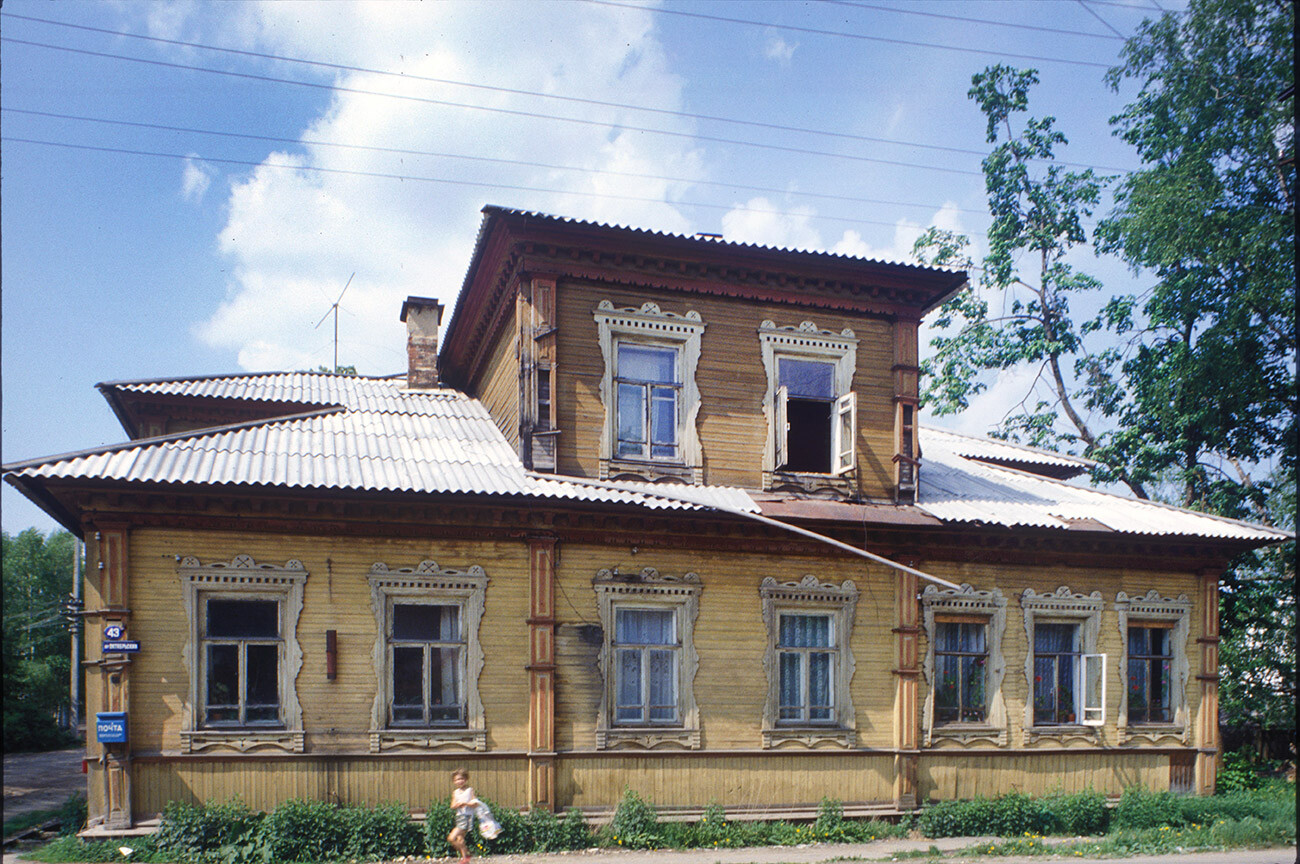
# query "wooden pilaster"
(907, 372)
(907, 723)
(541, 672)
(1207, 718)
(110, 573)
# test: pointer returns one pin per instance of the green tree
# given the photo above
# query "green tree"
(37, 644)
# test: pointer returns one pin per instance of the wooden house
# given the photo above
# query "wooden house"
(657, 515)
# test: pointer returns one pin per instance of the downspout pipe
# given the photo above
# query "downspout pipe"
(755, 517)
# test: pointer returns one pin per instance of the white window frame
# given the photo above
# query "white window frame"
(1063, 606)
(648, 589)
(1153, 607)
(242, 578)
(810, 596)
(807, 341)
(967, 600)
(652, 326)
(429, 583)
(647, 403)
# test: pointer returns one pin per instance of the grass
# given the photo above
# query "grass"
(24, 821)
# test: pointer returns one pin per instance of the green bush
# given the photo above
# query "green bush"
(1080, 813)
(69, 848)
(72, 814)
(574, 831)
(193, 832)
(305, 830)
(438, 823)
(381, 833)
(546, 833)
(635, 824)
(1139, 808)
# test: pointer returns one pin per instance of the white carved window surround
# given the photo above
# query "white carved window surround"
(807, 343)
(659, 597)
(1173, 614)
(809, 649)
(1082, 611)
(241, 580)
(982, 608)
(649, 327)
(449, 715)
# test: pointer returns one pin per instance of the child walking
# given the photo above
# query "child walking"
(464, 804)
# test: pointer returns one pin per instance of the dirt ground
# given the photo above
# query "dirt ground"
(41, 781)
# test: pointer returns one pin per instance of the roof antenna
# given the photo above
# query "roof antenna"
(335, 310)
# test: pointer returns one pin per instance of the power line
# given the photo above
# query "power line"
(339, 88)
(861, 36)
(1093, 13)
(488, 159)
(874, 7)
(445, 181)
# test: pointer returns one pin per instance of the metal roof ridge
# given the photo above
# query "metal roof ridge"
(216, 376)
(195, 434)
(1012, 445)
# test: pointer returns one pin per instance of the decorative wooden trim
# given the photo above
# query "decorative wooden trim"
(681, 593)
(809, 594)
(1061, 603)
(243, 576)
(989, 608)
(1174, 612)
(541, 671)
(1207, 719)
(428, 581)
(651, 324)
(808, 341)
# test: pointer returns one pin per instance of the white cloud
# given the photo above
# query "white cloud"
(196, 177)
(293, 236)
(905, 233)
(779, 50)
(758, 221)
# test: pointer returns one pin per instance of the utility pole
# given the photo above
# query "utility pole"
(74, 625)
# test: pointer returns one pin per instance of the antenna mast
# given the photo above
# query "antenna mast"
(335, 310)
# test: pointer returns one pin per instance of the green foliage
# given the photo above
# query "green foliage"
(1016, 814)
(73, 850)
(1080, 813)
(37, 645)
(438, 822)
(1139, 808)
(635, 824)
(381, 833)
(215, 831)
(72, 814)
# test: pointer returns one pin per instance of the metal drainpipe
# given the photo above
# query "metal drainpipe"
(757, 517)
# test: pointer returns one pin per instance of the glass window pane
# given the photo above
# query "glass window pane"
(1160, 643)
(663, 682)
(1044, 689)
(807, 379)
(262, 676)
(805, 631)
(647, 363)
(408, 680)
(223, 683)
(444, 684)
(1065, 695)
(421, 622)
(1137, 640)
(631, 419)
(791, 684)
(663, 422)
(629, 677)
(644, 627)
(243, 619)
(819, 679)
(972, 696)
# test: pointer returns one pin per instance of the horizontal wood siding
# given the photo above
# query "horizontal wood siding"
(733, 781)
(731, 379)
(414, 782)
(336, 714)
(498, 388)
(951, 775)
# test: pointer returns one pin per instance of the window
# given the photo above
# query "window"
(648, 390)
(647, 659)
(805, 651)
(1154, 669)
(960, 671)
(647, 650)
(242, 654)
(427, 664)
(241, 661)
(809, 661)
(649, 393)
(1066, 678)
(963, 665)
(1150, 662)
(427, 657)
(810, 403)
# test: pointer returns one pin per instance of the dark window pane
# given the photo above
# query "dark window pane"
(243, 619)
(262, 676)
(1137, 640)
(408, 687)
(807, 379)
(972, 697)
(444, 677)
(425, 623)
(1055, 638)
(808, 439)
(223, 683)
(1044, 690)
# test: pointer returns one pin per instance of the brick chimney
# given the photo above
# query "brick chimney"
(422, 316)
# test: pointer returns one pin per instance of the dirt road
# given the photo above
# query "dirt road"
(41, 781)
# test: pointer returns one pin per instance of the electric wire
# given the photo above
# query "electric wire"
(511, 187)
(814, 31)
(876, 8)
(401, 151)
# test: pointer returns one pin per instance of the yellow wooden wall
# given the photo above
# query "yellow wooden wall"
(731, 380)
(498, 386)
(947, 775)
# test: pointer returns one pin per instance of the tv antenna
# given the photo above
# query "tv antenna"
(335, 310)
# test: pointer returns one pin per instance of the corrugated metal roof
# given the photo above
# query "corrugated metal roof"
(998, 451)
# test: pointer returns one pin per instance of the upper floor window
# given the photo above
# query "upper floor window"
(649, 393)
(649, 390)
(810, 403)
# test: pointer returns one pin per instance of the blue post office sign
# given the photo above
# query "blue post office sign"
(110, 727)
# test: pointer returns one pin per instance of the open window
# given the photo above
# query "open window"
(1065, 673)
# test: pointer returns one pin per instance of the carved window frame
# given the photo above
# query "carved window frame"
(1152, 607)
(810, 595)
(650, 325)
(242, 578)
(992, 606)
(427, 581)
(649, 589)
(806, 341)
(1059, 606)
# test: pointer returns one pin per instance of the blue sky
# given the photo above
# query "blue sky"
(146, 250)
